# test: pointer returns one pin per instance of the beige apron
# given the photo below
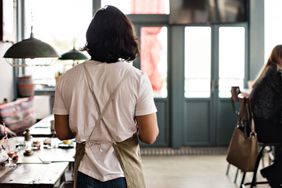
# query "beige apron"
(128, 151)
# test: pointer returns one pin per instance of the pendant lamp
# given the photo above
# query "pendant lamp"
(73, 54)
(31, 48)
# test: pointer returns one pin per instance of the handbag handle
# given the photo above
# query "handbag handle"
(251, 118)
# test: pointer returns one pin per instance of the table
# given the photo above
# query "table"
(35, 175)
(57, 152)
(46, 168)
(43, 127)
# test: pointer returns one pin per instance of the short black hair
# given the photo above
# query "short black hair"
(111, 36)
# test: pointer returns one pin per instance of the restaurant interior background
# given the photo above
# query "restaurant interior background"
(191, 66)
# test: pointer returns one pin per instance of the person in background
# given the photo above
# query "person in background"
(105, 100)
(266, 105)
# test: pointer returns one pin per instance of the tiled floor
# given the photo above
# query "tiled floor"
(202, 171)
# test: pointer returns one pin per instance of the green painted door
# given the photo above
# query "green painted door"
(215, 58)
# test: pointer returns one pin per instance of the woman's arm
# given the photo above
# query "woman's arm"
(62, 128)
(6, 131)
(148, 128)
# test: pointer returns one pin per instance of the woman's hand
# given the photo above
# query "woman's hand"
(6, 131)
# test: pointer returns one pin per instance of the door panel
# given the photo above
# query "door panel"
(198, 69)
(232, 72)
(226, 123)
(214, 61)
(153, 61)
(162, 114)
(197, 62)
(197, 73)
(231, 59)
(153, 58)
(197, 122)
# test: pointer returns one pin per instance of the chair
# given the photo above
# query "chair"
(235, 91)
(236, 98)
(263, 149)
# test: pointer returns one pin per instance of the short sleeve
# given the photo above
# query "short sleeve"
(59, 105)
(145, 101)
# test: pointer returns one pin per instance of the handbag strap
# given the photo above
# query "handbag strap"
(111, 98)
(251, 117)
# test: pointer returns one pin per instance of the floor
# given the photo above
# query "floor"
(191, 171)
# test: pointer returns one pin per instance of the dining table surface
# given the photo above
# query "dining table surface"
(45, 166)
(44, 127)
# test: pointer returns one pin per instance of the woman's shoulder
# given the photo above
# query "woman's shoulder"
(80, 67)
(74, 72)
(133, 70)
(273, 73)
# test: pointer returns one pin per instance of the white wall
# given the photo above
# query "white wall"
(273, 27)
(41, 106)
(6, 75)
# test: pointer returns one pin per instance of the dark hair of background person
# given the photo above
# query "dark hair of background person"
(111, 36)
(274, 58)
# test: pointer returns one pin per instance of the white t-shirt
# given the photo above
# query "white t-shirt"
(73, 97)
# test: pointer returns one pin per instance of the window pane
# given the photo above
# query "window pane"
(44, 75)
(197, 62)
(231, 59)
(62, 24)
(154, 57)
(139, 6)
(272, 26)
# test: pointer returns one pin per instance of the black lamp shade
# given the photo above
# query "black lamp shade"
(73, 55)
(30, 48)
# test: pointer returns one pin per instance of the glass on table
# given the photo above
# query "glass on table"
(13, 157)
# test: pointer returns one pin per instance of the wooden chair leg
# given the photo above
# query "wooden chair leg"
(227, 169)
(243, 180)
(254, 182)
(260, 155)
(236, 175)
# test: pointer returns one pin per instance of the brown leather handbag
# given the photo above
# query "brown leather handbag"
(243, 147)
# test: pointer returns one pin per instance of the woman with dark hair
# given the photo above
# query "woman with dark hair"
(266, 103)
(110, 37)
(104, 103)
